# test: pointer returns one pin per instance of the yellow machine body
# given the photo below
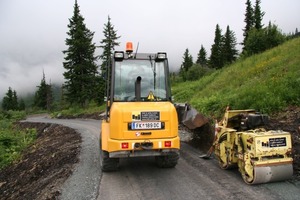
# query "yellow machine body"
(116, 131)
(141, 119)
(261, 156)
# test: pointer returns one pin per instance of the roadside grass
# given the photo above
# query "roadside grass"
(267, 82)
(12, 140)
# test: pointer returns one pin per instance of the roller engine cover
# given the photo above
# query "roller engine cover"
(252, 121)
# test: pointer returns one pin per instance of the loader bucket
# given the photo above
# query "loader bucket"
(190, 117)
(180, 108)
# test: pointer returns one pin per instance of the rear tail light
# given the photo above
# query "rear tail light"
(168, 143)
(124, 145)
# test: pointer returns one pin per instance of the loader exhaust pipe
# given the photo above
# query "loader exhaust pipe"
(138, 88)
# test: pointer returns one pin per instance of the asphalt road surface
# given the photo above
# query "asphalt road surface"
(139, 178)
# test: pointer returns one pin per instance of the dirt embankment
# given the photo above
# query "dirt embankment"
(44, 166)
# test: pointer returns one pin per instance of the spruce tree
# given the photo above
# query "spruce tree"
(108, 44)
(258, 15)
(43, 96)
(216, 57)
(15, 101)
(297, 33)
(187, 60)
(249, 20)
(202, 60)
(49, 96)
(187, 63)
(10, 100)
(80, 62)
(254, 41)
(229, 51)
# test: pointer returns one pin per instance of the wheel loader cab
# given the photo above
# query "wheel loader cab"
(141, 119)
(143, 78)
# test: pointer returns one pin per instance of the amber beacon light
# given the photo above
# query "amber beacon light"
(129, 47)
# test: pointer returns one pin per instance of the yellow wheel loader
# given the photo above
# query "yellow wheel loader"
(141, 119)
(261, 156)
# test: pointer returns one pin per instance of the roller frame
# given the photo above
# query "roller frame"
(261, 156)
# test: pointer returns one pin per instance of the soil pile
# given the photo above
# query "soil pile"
(44, 166)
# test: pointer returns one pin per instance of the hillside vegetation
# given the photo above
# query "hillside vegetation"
(267, 82)
(12, 140)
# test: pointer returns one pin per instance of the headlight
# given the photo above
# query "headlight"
(119, 55)
(161, 56)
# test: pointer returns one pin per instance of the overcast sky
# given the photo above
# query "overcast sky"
(33, 32)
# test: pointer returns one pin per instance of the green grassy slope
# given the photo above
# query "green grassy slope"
(266, 82)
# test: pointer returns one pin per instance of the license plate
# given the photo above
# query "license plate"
(146, 125)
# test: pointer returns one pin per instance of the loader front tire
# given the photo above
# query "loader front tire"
(167, 161)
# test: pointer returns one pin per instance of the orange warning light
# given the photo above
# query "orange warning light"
(129, 47)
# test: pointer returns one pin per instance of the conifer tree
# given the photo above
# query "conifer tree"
(10, 100)
(187, 60)
(216, 57)
(297, 33)
(186, 64)
(258, 15)
(108, 44)
(229, 51)
(80, 62)
(202, 60)
(249, 20)
(15, 101)
(43, 96)
(254, 41)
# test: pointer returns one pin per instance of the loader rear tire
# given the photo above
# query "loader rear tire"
(168, 161)
(108, 164)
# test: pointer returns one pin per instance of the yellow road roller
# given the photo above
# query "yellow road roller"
(261, 156)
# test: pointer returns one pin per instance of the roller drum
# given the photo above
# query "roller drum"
(266, 174)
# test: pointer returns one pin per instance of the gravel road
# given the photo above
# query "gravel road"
(139, 178)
